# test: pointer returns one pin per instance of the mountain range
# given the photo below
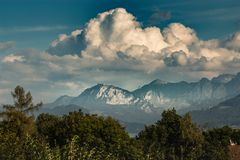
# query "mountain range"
(144, 105)
(225, 113)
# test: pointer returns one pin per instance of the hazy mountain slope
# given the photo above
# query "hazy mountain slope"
(160, 94)
(145, 104)
(225, 113)
(63, 109)
(185, 95)
(61, 101)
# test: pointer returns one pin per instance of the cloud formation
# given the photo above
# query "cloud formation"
(40, 28)
(6, 45)
(158, 16)
(115, 48)
(233, 43)
(116, 37)
(12, 58)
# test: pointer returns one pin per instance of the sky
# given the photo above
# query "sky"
(62, 47)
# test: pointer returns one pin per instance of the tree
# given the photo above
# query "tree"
(19, 116)
(47, 126)
(11, 146)
(172, 138)
(216, 143)
(75, 151)
(94, 134)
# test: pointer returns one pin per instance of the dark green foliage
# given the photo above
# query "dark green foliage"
(75, 150)
(11, 145)
(22, 148)
(93, 132)
(216, 143)
(235, 136)
(47, 126)
(17, 117)
(79, 136)
(172, 138)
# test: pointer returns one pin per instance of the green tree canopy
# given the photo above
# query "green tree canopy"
(94, 132)
(172, 138)
(19, 116)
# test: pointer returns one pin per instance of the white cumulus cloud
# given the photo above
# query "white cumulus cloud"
(233, 42)
(13, 58)
(115, 48)
(117, 37)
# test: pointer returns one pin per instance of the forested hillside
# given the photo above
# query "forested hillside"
(79, 136)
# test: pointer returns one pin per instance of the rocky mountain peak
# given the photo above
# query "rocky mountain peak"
(158, 82)
(223, 78)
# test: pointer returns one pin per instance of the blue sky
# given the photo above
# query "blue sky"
(58, 47)
(21, 21)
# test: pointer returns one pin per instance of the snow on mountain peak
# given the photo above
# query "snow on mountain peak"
(157, 99)
(159, 94)
(112, 95)
(115, 96)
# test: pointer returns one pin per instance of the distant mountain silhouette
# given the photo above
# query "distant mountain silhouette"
(145, 104)
(225, 113)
